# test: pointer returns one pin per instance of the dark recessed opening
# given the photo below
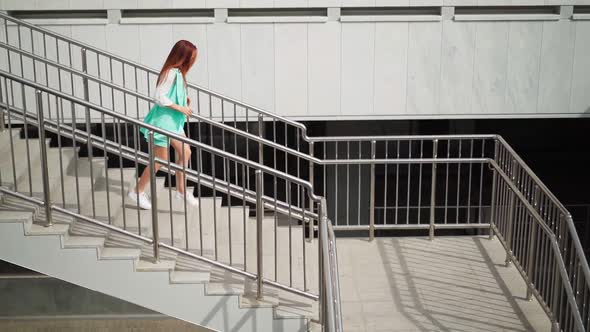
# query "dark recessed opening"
(506, 10)
(581, 9)
(58, 14)
(269, 12)
(389, 11)
(168, 13)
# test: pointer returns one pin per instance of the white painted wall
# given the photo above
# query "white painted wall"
(368, 70)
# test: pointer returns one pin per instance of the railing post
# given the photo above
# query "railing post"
(510, 226)
(372, 199)
(433, 190)
(153, 193)
(532, 249)
(321, 215)
(311, 180)
(259, 216)
(88, 122)
(493, 204)
(261, 135)
(44, 165)
(494, 180)
(556, 297)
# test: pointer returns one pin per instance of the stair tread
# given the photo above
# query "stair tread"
(189, 277)
(119, 253)
(55, 229)
(162, 265)
(7, 215)
(83, 241)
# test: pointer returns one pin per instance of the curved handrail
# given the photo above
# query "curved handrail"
(554, 244)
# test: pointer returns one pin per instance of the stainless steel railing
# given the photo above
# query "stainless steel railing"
(300, 279)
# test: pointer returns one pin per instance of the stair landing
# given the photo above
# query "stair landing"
(449, 284)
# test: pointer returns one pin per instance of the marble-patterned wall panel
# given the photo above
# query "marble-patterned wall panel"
(524, 49)
(358, 56)
(458, 47)
(423, 86)
(556, 67)
(291, 81)
(225, 67)
(391, 59)
(489, 84)
(580, 101)
(197, 34)
(258, 65)
(324, 69)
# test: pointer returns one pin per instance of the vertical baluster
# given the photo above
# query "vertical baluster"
(88, 128)
(372, 193)
(348, 184)
(397, 148)
(419, 205)
(259, 216)
(386, 165)
(44, 164)
(433, 190)
(75, 148)
(458, 184)
(153, 192)
(469, 181)
(409, 182)
(312, 181)
(448, 165)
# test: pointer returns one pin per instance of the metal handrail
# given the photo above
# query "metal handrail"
(40, 122)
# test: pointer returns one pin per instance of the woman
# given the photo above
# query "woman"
(170, 112)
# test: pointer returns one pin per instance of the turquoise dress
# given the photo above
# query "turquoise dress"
(166, 118)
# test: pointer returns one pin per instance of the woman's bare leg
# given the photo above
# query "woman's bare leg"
(183, 156)
(144, 179)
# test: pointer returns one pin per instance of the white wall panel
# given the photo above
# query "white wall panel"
(458, 48)
(224, 59)
(383, 3)
(491, 51)
(86, 4)
(324, 69)
(197, 34)
(291, 69)
(258, 65)
(524, 51)
(358, 67)
(116, 4)
(291, 3)
(257, 3)
(424, 49)
(556, 67)
(580, 101)
(156, 41)
(391, 40)
(53, 4)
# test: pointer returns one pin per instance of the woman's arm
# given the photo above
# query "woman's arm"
(161, 95)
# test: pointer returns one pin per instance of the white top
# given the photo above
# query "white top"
(161, 93)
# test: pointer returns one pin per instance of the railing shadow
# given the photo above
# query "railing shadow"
(436, 291)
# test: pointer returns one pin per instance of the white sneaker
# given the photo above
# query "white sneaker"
(140, 198)
(190, 199)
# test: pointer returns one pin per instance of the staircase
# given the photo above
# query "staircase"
(121, 266)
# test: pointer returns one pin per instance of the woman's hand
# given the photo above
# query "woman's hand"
(186, 111)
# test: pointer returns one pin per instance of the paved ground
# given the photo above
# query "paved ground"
(449, 284)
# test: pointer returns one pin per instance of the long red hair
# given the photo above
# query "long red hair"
(182, 56)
